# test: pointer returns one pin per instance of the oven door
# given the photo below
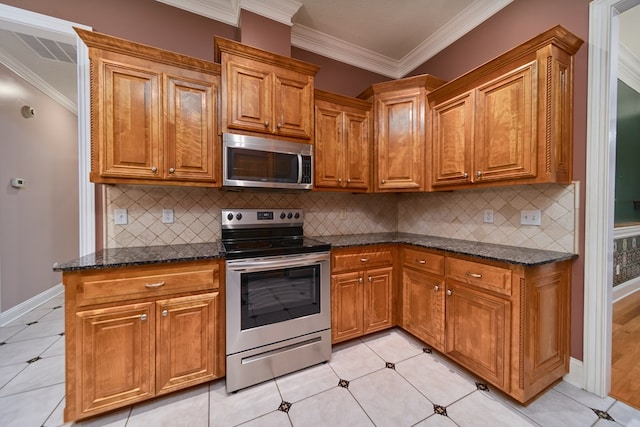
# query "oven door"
(273, 299)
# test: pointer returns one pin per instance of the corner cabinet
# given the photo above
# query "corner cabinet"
(137, 332)
(507, 323)
(264, 94)
(509, 121)
(362, 291)
(400, 123)
(154, 115)
(342, 143)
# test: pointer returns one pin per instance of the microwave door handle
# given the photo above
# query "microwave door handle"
(299, 168)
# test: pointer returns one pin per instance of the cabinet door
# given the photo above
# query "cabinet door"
(329, 147)
(506, 127)
(347, 292)
(453, 141)
(400, 140)
(127, 112)
(293, 105)
(478, 332)
(357, 157)
(378, 299)
(249, 97)
(187, 341)
(191, 152)
(423, 306)
(115, 349)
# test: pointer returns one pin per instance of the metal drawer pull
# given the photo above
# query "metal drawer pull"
(436, 288)
(474, 275)
(422, 261)
(449, 292)
(364, 259)
(359, 279)
(154, 285)
(165, 313)
(143, 317)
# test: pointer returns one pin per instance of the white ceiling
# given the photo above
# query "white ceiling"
(390, 37)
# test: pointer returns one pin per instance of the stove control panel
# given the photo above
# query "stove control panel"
(261, 217)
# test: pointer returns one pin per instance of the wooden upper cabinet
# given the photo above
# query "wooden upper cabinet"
(264, 93)
(399, 132)
(153, 115)
(342, 143)
(509, 121)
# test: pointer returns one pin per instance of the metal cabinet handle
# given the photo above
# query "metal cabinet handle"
(172, 170)
(479, 174)
(266, 124)
(384, 181)
(339, 180)
(422, 261)
(279, 125)
(165, 313)
(143, 317)
(360, 279)
(474, 275)
(154, 285)
(154, 169)
(465, 175)
(436, 288)
(449, 292)
(348, 180)
(370, 279)
(364, 259)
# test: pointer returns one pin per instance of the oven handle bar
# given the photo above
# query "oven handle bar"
(276, 262)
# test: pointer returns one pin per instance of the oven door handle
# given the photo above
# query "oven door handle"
(252, 266)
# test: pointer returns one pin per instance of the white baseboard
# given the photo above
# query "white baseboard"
(627, 288)
(14, 312)
(576, 373)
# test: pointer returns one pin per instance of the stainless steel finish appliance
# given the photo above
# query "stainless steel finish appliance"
(249, 161)
(277, 296)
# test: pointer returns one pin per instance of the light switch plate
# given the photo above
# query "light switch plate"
(167, 216)
(120, 216)
(488, 216)
(530, 217)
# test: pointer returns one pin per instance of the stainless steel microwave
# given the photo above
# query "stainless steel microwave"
(249, 161)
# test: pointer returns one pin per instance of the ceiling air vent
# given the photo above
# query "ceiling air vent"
(50, 49)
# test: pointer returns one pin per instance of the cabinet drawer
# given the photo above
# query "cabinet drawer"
(483, 276)
(423, 261)
(125, 284)
(359, 259)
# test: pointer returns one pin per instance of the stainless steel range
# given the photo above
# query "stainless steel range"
(278, 295)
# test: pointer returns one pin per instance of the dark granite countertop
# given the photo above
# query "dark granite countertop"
(490, 251)
(122, 257)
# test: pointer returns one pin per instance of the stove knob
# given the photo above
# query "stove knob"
(282, 215)
(297, 215)
(239, 216)
(289, 215)
(229, 216)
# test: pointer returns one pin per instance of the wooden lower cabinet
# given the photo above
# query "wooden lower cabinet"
(362, 298)
(125, 351)
(507, 323)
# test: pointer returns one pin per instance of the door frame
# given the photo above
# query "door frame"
(600, 191)
(86, 189)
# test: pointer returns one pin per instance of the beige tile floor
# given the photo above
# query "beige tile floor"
(381, 380)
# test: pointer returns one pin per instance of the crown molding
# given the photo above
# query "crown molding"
(21, 70)
(472, 16)
(334, 48)
(226, 11)
(628, 67)
(277, 10)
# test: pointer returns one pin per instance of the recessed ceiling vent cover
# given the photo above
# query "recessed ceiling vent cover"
(50, 49)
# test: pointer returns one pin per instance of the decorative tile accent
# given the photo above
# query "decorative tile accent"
(390, 365)
(482, 386)
(440, 410)
(285, 406)
(603, 414)
(35, 359)
(343, 384)
(457, 214)
(626, 254)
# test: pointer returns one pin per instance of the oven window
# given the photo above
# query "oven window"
(254, 165)
(279, 295)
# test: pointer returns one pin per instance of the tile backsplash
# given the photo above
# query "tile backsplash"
(626, 256)
(448, 214)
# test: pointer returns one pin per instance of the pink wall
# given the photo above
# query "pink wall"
(516, 23)
(263, 33)
(39, 222)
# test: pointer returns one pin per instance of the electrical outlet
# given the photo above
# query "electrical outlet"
(343, 214)
(530, 217)
(120, 216)
(488, 216)
(167, 216)
(617, 269)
